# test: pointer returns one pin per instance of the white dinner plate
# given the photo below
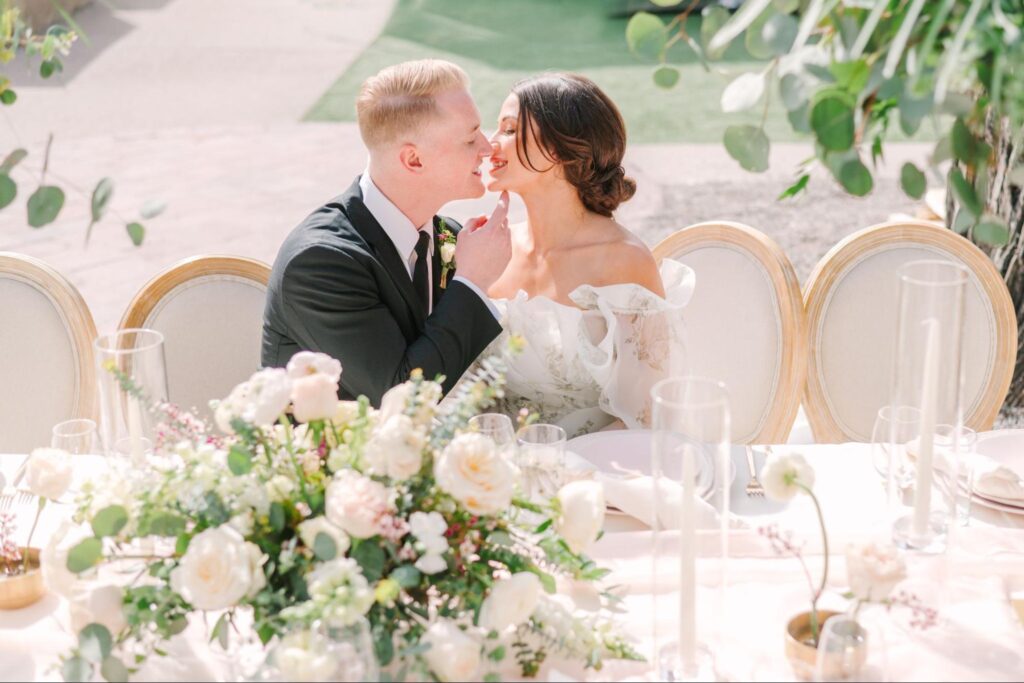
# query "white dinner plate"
(626, 452)
(1006, 447)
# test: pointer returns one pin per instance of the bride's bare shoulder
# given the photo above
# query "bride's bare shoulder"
(625, 259)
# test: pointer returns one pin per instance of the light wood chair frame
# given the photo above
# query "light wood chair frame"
(780, 413)
(926, 234)
(182, 272)
(75, 315)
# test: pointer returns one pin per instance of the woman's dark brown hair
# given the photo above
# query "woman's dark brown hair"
(577, 126)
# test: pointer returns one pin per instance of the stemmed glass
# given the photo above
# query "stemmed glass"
(542, 458)
(499, 428)
(896, 427)
(77, 437)
(842, 650)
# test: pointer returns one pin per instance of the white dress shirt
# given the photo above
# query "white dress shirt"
(404, 235)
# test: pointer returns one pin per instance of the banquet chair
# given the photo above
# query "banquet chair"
(745, 324)
(47, 374)
(851, 300)
(210, 311)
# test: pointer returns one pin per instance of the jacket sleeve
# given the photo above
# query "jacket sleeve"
(332, 304)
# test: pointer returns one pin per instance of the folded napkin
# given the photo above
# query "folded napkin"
(999, 481)
(634, 496)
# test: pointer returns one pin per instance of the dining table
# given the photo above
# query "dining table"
(743, 602)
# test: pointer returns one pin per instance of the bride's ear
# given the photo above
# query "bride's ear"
(410, 159)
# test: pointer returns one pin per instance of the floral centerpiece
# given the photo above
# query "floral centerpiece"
(399, 516)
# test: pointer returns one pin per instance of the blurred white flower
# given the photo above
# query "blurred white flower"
(260, 400)
(473, 472)
(53, 558)
(314, 397)
(510, 602)
(874, 571)
(447, 252)
(218, 570)
(784, 475)
(582, 513)
(48, 473)
(98, 604)
(306, 363)
(395, 401)
(425, 524)
(357, 504)
(302, 656)
(431, 563)
(309, 530)
(279, 487)
(453, 654)
(341, 590)
(396, 448)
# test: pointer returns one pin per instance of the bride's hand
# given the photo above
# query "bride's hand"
(484, 246)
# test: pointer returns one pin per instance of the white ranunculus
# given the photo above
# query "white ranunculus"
(218, 570)
(453, 654)
(306, 363)
(357, 504)
(582, 513)
(874, 571)
(303, 656)
(431, 564)
(510, 602)
(314, 398)
(447, 252)
(395, 401)
(48, 473)
(53, 558)
(260, 400)
(311, 528)
(396, 448)
(474, 473)
(102, 604)
(784, 475)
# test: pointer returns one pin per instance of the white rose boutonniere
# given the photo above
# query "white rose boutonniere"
(446, 240)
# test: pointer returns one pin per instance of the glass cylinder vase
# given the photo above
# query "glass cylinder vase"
(132, 377)
(928, 376)
(690, 466)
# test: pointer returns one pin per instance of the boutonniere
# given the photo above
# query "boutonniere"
(447, 239)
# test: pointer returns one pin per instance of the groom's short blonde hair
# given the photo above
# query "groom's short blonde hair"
(400, 98)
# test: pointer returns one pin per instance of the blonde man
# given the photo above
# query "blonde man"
(360, 278)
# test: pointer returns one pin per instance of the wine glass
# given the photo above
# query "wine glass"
(542, 458)
(499, 428)
(77, 437)
(324, 653)
(842, 650)
(896, 427)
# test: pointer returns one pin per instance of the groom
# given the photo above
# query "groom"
(360, 278)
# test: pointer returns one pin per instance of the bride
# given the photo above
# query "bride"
(601, 322)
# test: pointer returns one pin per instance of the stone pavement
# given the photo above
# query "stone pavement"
(198, 102)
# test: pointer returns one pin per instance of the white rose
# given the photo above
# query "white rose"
(874, 571)
(357, 504)
(395, 401)
(510, 602)
(396, 448)
(48, 473)
(314, 398)
(447, 252)
(430, 564)
(311, 528)
(306, 363)
(426, 524)
(53, 558)
(98, 605)
(218, 570)
(582, 515)
(302, 656)
(474, 473)
(783, 476)
(453, 655)
(260, 400)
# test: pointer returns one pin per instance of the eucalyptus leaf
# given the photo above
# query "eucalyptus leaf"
(856, 178)
(95, 642)
(852, 76)
(743, 92)
(820, 72)
(166, 524)
(800, 119)
(749, 146)
(746, 15)
(8, 96)
(406, 576)
(754, 39)
(13, 159)
(646, 34)
(964, 193)
(114, 670)
(963, 222)
(44, 205)
(101, 195)
(793, 91)
(786, 6)
(832, 122)
(84, 555)
(778, 33)
(666, 77)
(713, 18)
(943, 150)
(109, 521)
(796, 188)
(8, 190)
(277, 517)
(152, 208)
(370, 557)
(324, 547)
(137, 233)
(912, 111)
(239, 460)
(666, 3)
(891, 88)
(76, 669)
(992, 231)
(913, 181)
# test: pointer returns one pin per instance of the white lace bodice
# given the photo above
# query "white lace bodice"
(587, 365)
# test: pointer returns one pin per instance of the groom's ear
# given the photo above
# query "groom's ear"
(409, 156)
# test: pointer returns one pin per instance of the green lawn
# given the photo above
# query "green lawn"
(501, 41)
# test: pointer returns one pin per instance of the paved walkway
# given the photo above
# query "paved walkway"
(213, 129)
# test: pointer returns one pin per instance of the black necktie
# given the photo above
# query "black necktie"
(420, 280)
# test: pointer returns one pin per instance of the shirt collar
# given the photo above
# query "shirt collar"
(396, 224)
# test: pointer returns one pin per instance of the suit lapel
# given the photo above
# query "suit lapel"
(435, 265)
(367, 226)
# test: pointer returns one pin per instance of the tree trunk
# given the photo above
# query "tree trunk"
(1006, 200)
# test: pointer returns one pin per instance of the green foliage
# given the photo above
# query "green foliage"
(109, 521)
(912, 181)
(44, 205)
(749, 146)
(85, 555)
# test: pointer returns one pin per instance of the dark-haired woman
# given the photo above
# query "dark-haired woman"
(602, 323)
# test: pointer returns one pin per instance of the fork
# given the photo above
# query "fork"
(14, 500)
(754, 488)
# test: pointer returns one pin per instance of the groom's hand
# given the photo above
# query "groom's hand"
(485, 247)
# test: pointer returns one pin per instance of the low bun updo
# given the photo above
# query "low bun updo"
(578, 127)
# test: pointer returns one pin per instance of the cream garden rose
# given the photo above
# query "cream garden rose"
(453, 655)
(308, 363)
(874, 571)
(48, 473)
(219, 569)
(357, 504)
(510, 602)
(582, 513)
(396, 448)
(259, 401)
(474, 473)
(314, 397)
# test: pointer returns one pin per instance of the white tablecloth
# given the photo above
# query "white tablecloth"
(978, 636)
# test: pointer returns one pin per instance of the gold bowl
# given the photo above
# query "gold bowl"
(21, 590)
(802, 654)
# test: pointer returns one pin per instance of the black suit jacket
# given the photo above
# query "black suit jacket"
(340, 287)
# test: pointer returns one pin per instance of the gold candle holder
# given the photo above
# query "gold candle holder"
(22, 590)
